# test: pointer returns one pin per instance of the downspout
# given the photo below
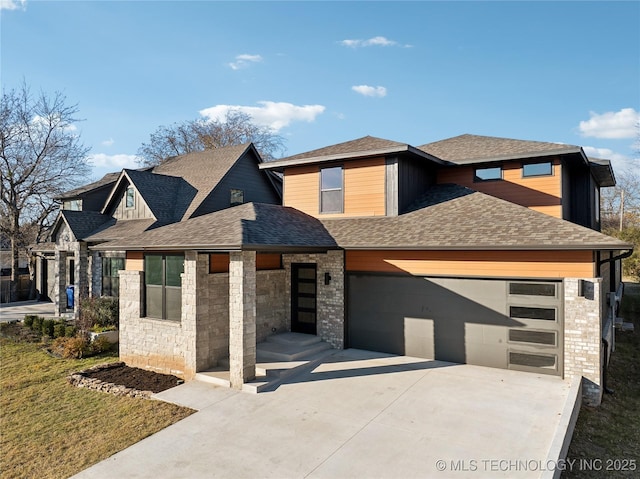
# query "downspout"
(616, 258)
(605, 366)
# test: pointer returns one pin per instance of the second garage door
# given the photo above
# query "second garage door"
(515, 324)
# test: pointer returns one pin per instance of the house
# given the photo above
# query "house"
(125, 204)
(474, 250)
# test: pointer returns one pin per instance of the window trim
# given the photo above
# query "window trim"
(109, 259)
(238, 193)
(341, 189)
(477, 179)
(527, 163)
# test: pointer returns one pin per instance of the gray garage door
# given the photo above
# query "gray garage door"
(514, 324)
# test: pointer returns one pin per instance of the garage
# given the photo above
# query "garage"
(501, 323)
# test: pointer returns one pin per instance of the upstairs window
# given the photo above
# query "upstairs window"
(130, 197)
(487, 174)
(537, 169)
(331, 188)
(237, 197)
(72, 205)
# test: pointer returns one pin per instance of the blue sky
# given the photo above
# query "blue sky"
(320, 73)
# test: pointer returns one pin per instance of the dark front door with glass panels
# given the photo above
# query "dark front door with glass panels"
(303, 298)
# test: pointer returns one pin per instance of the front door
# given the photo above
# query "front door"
(303, 298)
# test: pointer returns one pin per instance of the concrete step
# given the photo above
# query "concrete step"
(271, 375)
(294, 339)
(218, 376)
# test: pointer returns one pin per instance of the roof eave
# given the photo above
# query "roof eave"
(278, 165)
(523, 247)
(520, 156)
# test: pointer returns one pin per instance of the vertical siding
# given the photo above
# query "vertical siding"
(540, 193)
(243, 175)
(533, 264)
(138, 212)
(414, 178)
(364, 188)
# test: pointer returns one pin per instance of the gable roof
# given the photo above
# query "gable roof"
(252, 226)
(452, 217)
(81, 223)
(348, 150)
(466, 149)
(106, 180)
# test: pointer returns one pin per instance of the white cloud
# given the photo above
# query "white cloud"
(378, 41)
(108, 142)
(116, 162)
(13, 4)
(604, 153)
(366, 90)
(611, 125)
(270, 114)
(244, 60)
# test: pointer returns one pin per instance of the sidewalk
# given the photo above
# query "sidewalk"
(18, 310)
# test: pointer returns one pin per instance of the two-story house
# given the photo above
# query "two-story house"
(471, 250)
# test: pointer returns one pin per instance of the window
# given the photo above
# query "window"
(110, 278)
(237, 197)
(331, 200)
(533, 289)
(537, 169)
(130, 200)
(163, 286)
(72, 205)
(487, 174)
(522, 312)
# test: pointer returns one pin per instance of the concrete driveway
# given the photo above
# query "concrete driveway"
(18, 310)
(362, 415)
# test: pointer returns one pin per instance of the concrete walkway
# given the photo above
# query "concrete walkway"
(360, 415)
(18, 310)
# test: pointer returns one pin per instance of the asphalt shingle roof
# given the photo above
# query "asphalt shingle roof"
(113, 230)
(465, 149)
(109, 178)
(83, 223)
(455, 217)
(252, 225)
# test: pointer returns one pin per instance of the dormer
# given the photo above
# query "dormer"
(364, 177)
(89, 197)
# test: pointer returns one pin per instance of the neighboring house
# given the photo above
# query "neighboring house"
(473, 250)
(125, 204)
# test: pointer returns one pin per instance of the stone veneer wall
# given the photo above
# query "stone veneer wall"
(583, 336)
(330, 298)
(272, 309)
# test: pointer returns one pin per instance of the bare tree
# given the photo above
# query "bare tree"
(41, 156)
(198, 135)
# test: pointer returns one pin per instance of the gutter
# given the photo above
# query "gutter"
(616, 258)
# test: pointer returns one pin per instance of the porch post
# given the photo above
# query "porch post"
(242, 317)
(81, 290)
(60, 288)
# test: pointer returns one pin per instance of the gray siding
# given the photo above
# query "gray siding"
(246, 176)
(414, 178)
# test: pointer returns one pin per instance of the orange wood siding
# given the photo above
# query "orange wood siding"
(364, 188)
(219, 262)
(534, 264)
(540, 193)
(134, 261)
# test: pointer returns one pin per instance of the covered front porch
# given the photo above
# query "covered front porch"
(230, 301)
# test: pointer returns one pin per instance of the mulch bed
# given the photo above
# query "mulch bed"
(122, 380)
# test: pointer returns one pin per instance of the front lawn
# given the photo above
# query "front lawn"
(606, 440)
(50, 429)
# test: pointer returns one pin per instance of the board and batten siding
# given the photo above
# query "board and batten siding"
(497, 264)
(540, 193)
(139, 211)
(363, 188)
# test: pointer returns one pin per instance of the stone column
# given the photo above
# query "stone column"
(81, 264)
(583, 335)
(242, 317)
(60, 287)
(95, 269)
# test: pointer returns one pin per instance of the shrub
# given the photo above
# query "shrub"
(71, 348)
(37, 324)
(70, 331)
(98, 312)
(48, 327)
(59, 330)
(28, 321)
(100, 345)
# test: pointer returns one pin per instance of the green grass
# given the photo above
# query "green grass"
(612, 431)
(50, 429)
